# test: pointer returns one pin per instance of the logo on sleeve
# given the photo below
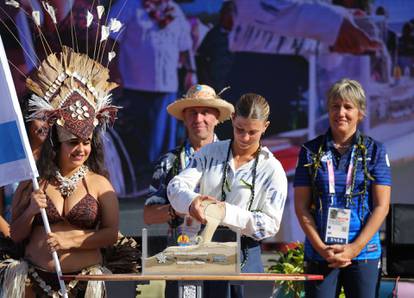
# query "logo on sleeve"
(372, 247)
(387, 160)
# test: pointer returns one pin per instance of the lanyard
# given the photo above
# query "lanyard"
(331, 176)
(226, 169)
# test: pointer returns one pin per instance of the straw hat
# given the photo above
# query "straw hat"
(201, 96)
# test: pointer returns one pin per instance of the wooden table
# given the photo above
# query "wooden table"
(196, 280)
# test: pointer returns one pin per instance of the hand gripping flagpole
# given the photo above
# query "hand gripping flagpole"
(10, 103)
(54, 253)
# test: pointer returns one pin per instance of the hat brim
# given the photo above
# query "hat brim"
(225, 108)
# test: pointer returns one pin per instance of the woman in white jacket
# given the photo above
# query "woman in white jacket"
(241, 175)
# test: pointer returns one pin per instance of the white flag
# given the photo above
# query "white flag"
(16, 158)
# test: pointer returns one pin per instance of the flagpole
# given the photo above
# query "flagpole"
(11, 96)
(54, 253)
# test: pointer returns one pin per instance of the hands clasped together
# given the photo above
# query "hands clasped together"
(339, 255)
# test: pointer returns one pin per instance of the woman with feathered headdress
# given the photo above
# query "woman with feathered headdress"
(71, 91)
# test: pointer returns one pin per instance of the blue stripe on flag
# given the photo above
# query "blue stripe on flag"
(11, 147)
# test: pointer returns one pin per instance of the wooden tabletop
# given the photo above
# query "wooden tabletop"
(241, 277)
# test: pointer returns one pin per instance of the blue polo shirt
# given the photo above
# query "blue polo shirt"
(361, 205)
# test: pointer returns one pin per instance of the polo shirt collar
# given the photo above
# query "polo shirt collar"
(330, 143)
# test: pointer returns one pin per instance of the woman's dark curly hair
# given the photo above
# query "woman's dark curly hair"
(49, 157)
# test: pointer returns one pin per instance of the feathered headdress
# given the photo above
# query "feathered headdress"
(71, 89)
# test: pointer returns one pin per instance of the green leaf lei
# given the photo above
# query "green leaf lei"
(361, 151)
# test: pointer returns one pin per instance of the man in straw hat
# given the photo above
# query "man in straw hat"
(200, 110)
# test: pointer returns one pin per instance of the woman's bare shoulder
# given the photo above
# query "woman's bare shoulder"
(99, 183)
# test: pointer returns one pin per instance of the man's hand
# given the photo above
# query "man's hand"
(196, 208)
(353, 40)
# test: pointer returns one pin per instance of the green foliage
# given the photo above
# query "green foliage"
(290, 262)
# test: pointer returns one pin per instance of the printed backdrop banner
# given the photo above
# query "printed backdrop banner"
(16, 158)
(284, 27)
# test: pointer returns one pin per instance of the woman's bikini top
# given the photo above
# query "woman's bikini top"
(84, 215)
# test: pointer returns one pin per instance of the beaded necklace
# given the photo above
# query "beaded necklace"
(67, 185)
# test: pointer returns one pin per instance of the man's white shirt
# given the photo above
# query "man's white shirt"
(148, 55)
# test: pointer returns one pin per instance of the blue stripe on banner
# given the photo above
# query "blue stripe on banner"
(11, 147)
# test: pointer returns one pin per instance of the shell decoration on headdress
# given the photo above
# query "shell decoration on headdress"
(72, 90)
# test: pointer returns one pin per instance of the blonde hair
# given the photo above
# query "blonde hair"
(252, 106)
(351, 90)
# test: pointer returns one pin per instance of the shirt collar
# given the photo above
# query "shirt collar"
(330, 142)
(188, 148)
(265, 152)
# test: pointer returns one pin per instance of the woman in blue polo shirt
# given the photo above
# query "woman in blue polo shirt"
(342, 193)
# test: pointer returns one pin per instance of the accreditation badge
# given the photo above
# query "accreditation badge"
(337, 228)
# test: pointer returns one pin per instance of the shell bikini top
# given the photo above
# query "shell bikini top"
(85, 214)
